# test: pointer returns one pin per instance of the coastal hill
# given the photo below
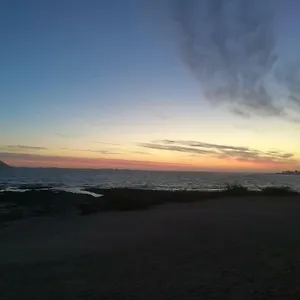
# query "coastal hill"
(4, 165)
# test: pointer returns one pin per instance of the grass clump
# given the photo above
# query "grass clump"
(278, 191)
(235, 190)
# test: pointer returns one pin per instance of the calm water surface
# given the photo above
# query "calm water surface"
(75, 178)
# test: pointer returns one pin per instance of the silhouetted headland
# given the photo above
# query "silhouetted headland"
(4, 165)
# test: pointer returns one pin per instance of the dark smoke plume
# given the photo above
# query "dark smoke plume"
(230, 47)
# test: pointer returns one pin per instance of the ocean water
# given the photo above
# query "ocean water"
(78, 179)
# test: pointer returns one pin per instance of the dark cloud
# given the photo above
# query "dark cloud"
(16, 147)
(201, 145)
(286, 155)
(240, 112)
(231, 49)
(222, 151)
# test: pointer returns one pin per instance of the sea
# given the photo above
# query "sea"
(21, 178)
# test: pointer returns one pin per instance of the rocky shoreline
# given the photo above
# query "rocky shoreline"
(37, 201)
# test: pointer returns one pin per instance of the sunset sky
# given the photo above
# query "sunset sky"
(108, 84)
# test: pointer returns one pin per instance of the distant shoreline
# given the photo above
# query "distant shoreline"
(3, 164)
(289, 173)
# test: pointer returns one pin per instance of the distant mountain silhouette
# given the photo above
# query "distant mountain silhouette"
(4, 165)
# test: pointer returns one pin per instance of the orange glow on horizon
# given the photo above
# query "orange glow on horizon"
(203, 164)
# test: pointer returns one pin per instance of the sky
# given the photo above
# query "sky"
(160, 85)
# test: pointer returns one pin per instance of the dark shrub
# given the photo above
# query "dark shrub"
(235, 190)
(278, 191)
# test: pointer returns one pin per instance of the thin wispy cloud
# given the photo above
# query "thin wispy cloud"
(174, 148)
(246, 154)
(100, 151)
(22, 147)
(201, 144)
(141, 152)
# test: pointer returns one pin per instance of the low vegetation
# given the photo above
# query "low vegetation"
(18, 205)
(278, 191)
(37, 202)
(235, 190)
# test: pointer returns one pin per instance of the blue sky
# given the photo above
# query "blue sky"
(104, 79)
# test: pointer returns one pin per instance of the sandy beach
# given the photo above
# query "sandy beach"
(234, 248)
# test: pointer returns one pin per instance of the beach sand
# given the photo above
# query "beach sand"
(238, 248)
